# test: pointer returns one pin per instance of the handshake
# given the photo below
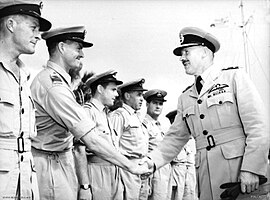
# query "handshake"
(145, 168)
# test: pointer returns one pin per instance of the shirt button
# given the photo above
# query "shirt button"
(199, 101)
(205, 132)
(220, 102)
(22, 110)
(201, 116)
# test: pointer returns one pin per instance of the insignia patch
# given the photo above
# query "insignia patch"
(181, 36)
(55, 78)
(217, 89)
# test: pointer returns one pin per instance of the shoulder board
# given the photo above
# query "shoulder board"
(87, 105)
(229, 68)
(56, 78)
(145, 122)
(187, 88)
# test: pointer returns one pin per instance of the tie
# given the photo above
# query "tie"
(199, 84)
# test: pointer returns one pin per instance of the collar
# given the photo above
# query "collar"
(60, 71)
(97, 104)
(129, 109)
(210, 73)
(25, 74)
(150, 119)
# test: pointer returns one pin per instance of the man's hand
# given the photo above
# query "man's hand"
(151, 167)
(141, 168)
(85, 194)
(249, 181)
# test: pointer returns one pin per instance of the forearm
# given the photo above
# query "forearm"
(81, 164)
(104, 149)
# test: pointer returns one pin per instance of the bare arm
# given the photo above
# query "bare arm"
(98, 144)
(82, 171)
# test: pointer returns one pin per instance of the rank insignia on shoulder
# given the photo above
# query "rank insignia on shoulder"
(229, 68)
(187, 88)
(55, 78)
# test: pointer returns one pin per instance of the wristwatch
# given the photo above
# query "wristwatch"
(85, 186)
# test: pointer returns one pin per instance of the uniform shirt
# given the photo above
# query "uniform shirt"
(97, 112)
(16, 104)
(154, 130)
(58, 114)
(228, 121)
(133, 139)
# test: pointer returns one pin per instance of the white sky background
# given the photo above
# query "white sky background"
(137, 37)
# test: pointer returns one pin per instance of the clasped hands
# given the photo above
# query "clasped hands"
(145, 168)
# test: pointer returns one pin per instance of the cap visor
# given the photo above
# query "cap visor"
(44, 24)
(177, 51)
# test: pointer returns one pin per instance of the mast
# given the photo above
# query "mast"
(244, 34)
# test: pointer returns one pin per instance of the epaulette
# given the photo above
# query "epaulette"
(145, 123)
(55, 78)
(187, 88)
(236, 67)
(87, 105)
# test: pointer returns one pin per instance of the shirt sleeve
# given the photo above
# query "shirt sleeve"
(61, 105)
(174, 140)
(254, 119)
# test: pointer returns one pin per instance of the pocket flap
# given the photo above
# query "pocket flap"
(7, 97)
(189, 111)
(233, 149)
(220, 99)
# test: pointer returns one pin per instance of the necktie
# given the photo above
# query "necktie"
(199, 84)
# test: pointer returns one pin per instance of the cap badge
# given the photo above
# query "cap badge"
(181, 36)
(159, 94)
(41, 5)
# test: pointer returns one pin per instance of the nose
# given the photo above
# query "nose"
(37, 35)
(81, 53)
(181, 58)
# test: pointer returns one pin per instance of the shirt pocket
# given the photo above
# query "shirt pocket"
(223, 111)
(8, 118)
(133, 134)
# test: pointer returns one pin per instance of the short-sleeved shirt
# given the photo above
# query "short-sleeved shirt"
(154, 130)
(58, 115)
(16, 104)
(98, 113)
(133, 138)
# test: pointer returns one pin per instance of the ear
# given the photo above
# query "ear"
(100, 89)
(126, 95)
(11, 24)
(61, 47)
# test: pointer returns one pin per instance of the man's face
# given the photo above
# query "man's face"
(109, 94)
(25, 33)
(154, 108)
(191, 58)
(135, 99)
(72, 54)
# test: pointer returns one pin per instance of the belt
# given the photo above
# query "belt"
(215, 138)
(22, 145)
(52, 154)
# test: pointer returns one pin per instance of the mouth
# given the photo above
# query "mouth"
(34, 43)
